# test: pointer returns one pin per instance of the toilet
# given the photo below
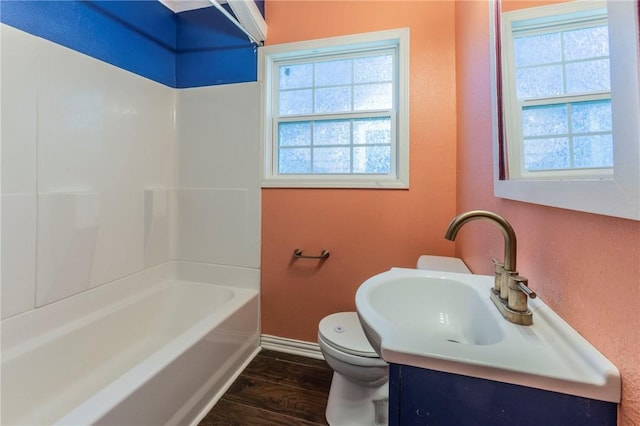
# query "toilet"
(359, 394)
(359, 388)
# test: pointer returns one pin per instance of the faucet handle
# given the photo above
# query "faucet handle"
(498, 268)
(518, 292)
(522, 285)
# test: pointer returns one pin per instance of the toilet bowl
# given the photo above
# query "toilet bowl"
(359, 387)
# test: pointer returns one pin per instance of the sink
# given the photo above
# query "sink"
(445, 321)
(437, 308)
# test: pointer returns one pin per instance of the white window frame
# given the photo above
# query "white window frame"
(269, 56)
(545, 19)
(617, 195)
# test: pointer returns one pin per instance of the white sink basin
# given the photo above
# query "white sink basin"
(436, 308)
(446, 322)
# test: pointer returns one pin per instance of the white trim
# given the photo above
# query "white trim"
(542, 20)
(234, 21)
(246, 11)
(547, 14)
(291, 346)
(250, 17)
(267, 55)
(618, 196)
(177, 6)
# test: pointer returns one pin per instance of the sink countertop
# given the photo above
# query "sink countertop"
(547, 355)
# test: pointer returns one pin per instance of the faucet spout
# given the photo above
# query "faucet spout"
(503, 225)
(510, 292)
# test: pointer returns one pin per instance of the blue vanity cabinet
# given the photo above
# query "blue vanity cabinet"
(424, 397)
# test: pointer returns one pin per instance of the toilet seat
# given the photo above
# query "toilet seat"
(360, 378)
(343, 332)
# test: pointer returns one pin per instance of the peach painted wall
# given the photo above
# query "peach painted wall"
(367, 231)
(585, 266)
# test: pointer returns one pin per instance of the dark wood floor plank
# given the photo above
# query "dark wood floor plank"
(276, 389)
(290, 373)
(229, 413)
(283, 356)
(292, 401)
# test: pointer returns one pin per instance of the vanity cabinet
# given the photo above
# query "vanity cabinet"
(424, 397)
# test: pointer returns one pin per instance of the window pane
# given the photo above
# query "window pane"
(546, 154)
(372, 131)
(537, 50)
(331, 160)
(333, 73)
(296, 76)
(586, 43)
(373, 96)
(333, 132)
(294, 160)
(373, 69)
(544, 120)
(333, 103)
(558, 58)
(593, 151)
(294, 134)
(372, 159)
(295, 102)
(539, 81)
(588, 76)
(592, 116)
(334, 99)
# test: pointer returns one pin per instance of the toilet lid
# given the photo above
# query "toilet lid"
(344, 332)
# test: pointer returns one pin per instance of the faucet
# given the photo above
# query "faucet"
(510, 291)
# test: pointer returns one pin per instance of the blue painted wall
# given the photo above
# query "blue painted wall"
(211, 50)
(194, 48)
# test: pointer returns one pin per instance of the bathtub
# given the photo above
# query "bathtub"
(151, 349)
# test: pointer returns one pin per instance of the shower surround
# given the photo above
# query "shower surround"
(107, 178)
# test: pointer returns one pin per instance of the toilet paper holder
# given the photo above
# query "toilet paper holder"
(297, 254)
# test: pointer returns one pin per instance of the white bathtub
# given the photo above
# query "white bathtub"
(145, 350)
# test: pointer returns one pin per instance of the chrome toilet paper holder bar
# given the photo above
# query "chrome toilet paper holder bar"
(297, 254)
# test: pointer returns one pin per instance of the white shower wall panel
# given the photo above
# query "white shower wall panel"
(219, 132)
(19, 111)
(81, 142)
(213, 226)
(18, 221)
(217, 217)
(102, 131)
(18, 170)
(106, 173)
(156, 226)
(100, 128)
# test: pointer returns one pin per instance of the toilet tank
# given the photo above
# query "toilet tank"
(442, 263)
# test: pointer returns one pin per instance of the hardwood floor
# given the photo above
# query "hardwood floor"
(275, 389)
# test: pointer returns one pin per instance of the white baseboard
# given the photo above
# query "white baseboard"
(291, 346)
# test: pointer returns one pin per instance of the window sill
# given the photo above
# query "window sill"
(323, 182)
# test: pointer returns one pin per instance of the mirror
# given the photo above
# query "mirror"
(566, 102)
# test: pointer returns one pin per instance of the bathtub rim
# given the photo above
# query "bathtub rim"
(35, 322)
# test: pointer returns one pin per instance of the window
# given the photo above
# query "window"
(558, 90)
(336, 112)
(575, 145)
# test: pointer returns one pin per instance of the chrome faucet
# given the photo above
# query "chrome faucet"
(510, 290)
